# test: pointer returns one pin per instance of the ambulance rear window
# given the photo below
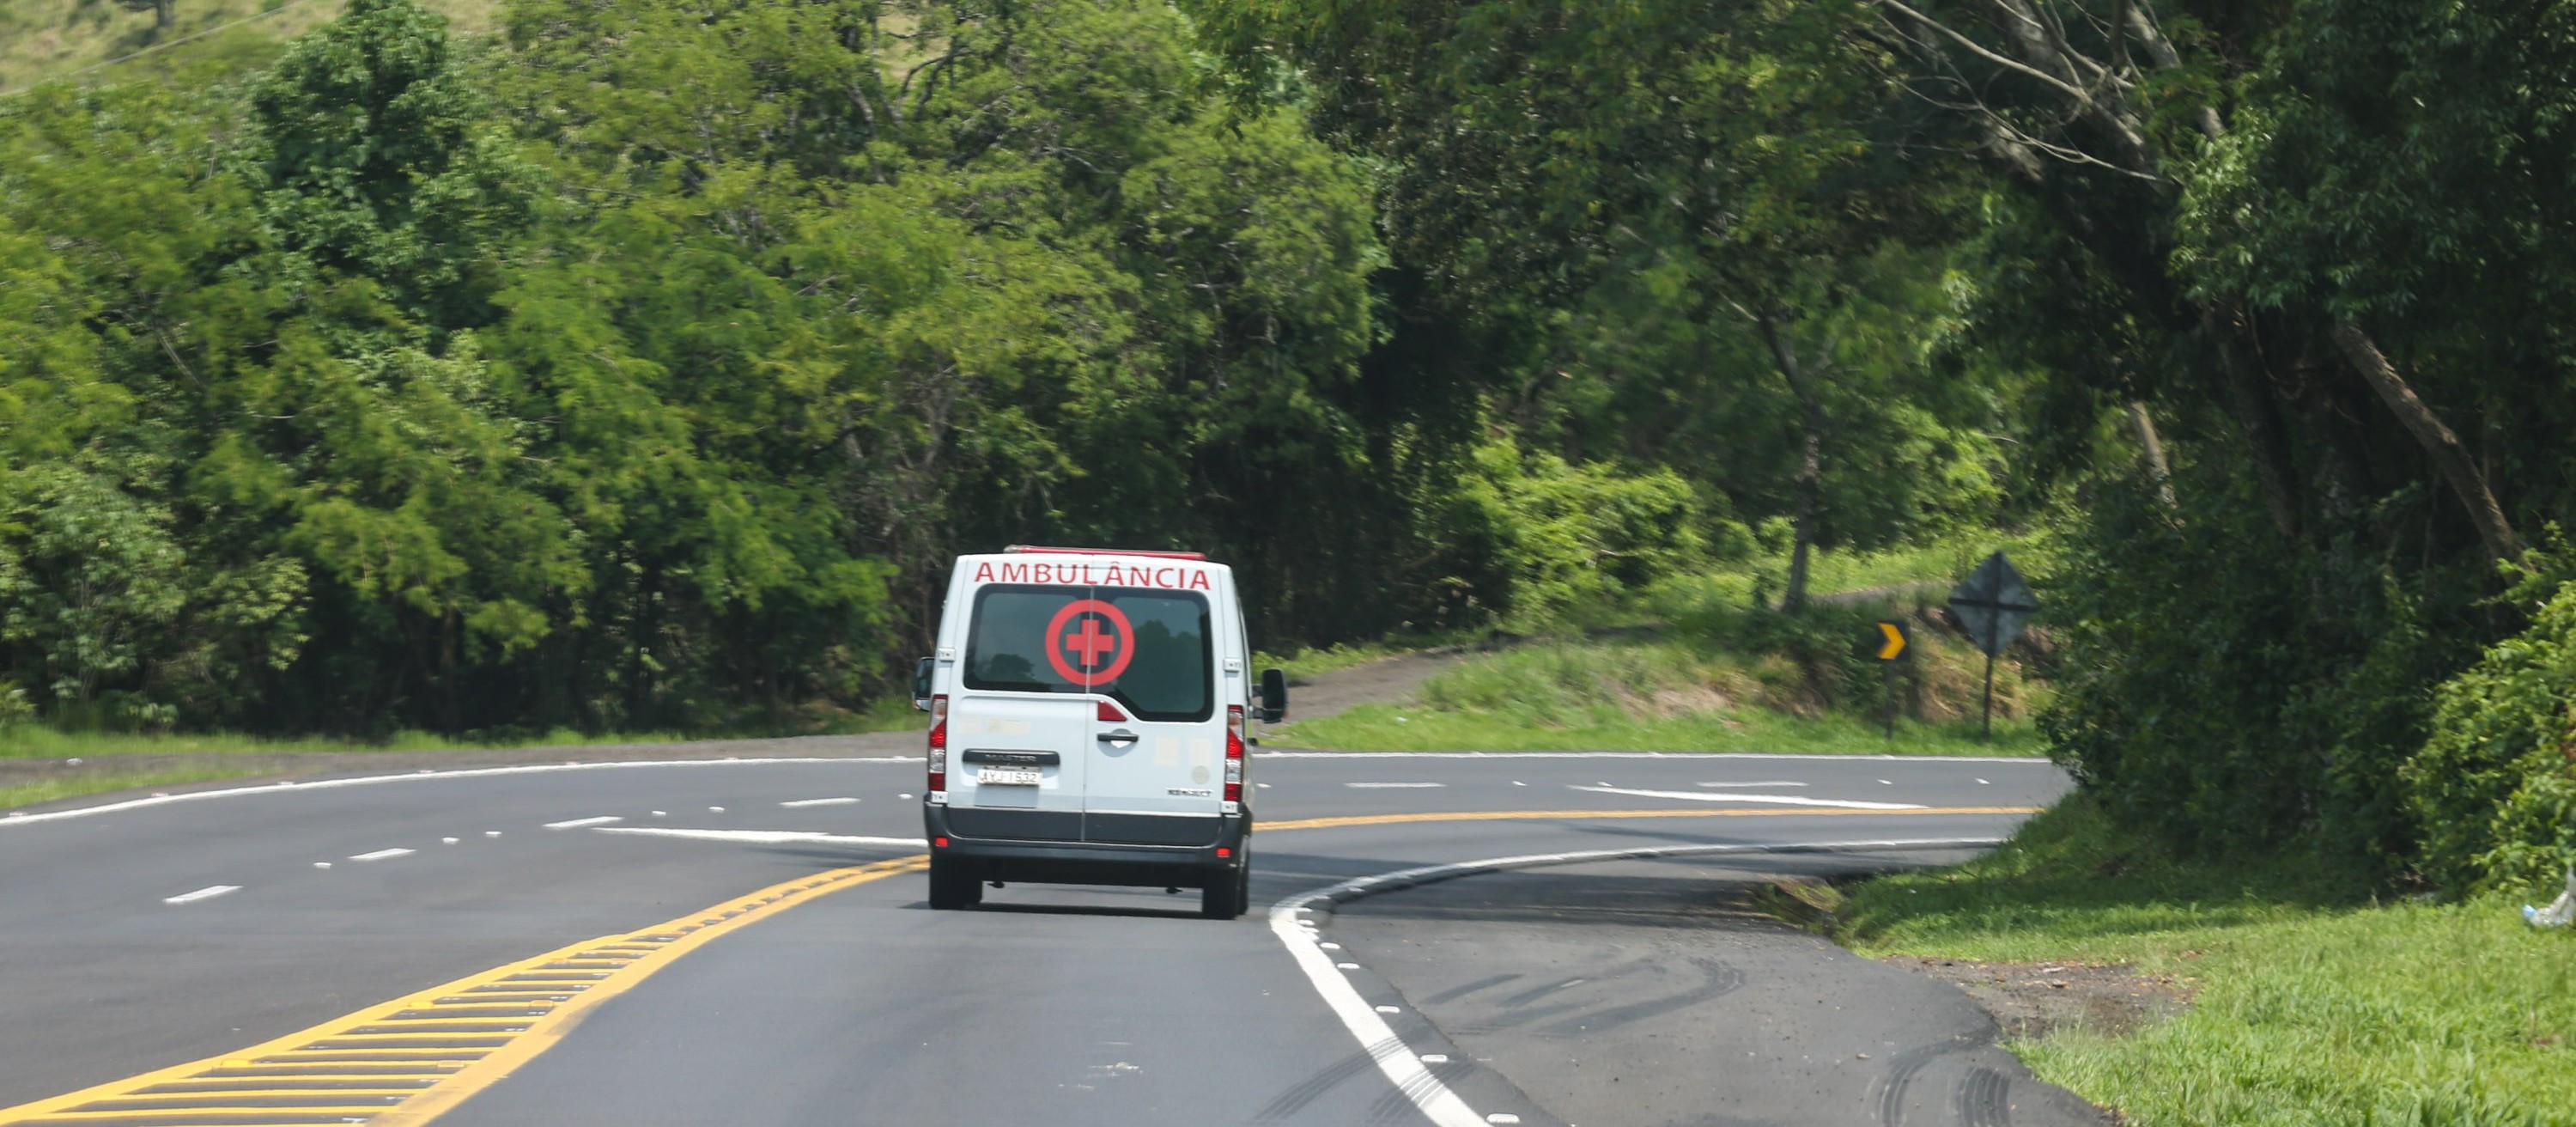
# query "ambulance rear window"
(1149, 650)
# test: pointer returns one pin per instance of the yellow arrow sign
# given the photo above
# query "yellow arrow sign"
(1894, 641)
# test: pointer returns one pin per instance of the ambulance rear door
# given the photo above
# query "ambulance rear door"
(1157, 769)
(1019, 734)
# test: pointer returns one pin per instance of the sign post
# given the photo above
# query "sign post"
(1893, 645)
(1994, 604)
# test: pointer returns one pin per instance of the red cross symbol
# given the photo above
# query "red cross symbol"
(1104, 654)
(1090, 642)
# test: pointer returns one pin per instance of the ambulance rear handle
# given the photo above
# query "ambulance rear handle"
(1274, 695)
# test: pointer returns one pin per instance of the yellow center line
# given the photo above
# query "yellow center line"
(125, 1098)
(1554, 815)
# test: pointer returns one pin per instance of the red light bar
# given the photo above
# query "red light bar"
(1040, 550)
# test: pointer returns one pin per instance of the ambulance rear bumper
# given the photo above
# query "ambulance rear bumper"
(1052, 849)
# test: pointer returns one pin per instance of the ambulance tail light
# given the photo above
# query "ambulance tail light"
(1234, 753)
(939, 743)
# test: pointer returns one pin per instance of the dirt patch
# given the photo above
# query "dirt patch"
(2036, 999)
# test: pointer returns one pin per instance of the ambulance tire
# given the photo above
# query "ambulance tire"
(951, 886)
(1227, 898)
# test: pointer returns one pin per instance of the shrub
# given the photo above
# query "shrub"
(2495, 785)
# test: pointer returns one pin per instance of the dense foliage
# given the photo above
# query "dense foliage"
(643, 366)
(2275, 293)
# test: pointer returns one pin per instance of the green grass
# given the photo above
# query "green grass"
(33, 741)
(1303, 663)
(29, 794)
(2314, 1003)
(1634, 696)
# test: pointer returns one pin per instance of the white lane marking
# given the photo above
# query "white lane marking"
(1378, 1040)
(804, 802)
(580, 823)
(207, 893)
(382, 854)
(491, 833)
(1802, 757)
(1390, 1009)
(1393, 786)
(321, 864)
(1518, 783)
(1766, 799)
(1773, 784)
(1983, 783)
(1431, 1058)
(765, 837)
(160, 798)
(448, 841)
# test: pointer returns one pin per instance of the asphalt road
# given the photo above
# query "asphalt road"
(854, 1003)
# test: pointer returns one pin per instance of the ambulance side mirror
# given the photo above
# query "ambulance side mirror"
(1274, 695)
(921, 671)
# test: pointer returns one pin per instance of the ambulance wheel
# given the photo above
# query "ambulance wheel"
(951, 886)
(1227, 897)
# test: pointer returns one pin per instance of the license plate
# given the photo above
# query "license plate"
(1006, 776)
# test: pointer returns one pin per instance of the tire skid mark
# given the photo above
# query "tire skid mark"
(1288, 1103)
(1984, 1099)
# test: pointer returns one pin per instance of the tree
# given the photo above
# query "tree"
(1716, 164)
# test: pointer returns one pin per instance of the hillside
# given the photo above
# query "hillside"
(47, 39)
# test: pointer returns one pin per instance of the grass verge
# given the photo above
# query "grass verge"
(35, 741)
(1659, 695)
(74, 786)
(1303, 663)
(2314, 1001)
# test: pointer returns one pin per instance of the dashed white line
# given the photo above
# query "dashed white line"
(1393, 786)
(1376, 1038)
(805, 802)
(207, 893)
(1765, 799)
(382, 854)
(163, 798)
(584, 823)
(1782, 783)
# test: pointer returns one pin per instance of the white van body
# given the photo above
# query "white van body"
(1089, 712)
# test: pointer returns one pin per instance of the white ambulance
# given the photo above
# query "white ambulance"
(1087, 725)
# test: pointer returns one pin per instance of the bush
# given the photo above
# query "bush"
(2227, 695)
(1532, 534)
(2495, 785)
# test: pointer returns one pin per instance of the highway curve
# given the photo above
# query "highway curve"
(745, 942)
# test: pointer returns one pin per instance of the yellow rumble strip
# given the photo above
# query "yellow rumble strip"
(403, 1063)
